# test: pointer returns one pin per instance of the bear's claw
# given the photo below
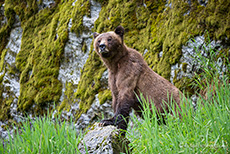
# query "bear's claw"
(106, 122)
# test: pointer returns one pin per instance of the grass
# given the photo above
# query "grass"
(43, 136)
(206, 130)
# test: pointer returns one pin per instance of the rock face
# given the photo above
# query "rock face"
(47, 57)
(10, 90)
(103, 140)
(76, 51)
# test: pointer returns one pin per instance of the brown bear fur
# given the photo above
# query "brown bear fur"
(129, 75)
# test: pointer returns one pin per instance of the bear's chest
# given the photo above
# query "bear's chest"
(113, 83)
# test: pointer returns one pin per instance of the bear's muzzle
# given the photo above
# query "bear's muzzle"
(103, 49)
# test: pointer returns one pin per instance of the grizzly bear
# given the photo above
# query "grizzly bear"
(129, 77)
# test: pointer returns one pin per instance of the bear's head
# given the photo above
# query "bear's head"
(108, 44)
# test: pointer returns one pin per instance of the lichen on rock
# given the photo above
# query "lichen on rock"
(104, 140)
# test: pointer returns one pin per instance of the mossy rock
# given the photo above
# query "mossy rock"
(162, 26)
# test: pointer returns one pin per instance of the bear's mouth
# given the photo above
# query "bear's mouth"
(105, 53)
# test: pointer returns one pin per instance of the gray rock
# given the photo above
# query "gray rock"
(104, 140)
(94, 114)
(4, 20)
(191, 58)
(74, 58)
(10, 82)
(45, 4)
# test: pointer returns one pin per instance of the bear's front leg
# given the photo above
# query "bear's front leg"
(123, 97)
(121, 117)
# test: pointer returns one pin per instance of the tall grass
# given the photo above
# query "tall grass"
(42, 136)
(204, 130)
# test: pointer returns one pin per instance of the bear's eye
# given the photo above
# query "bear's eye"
(99, 41)
(109, 39)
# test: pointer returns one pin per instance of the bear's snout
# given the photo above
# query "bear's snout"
(102, 46)
(103, 50)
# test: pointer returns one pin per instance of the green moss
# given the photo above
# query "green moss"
(41, 50)
(69, 97)
(1, 78)
(6, 28)
(184, 67)
(84, 47)
(2, 59)
(5, 108)
(104, 95)
(82, 8)
(45, 62)
(88, 88)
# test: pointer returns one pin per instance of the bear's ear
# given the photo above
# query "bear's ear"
(95, 34)
(120, 31)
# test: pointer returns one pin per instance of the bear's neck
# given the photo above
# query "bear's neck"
(113, 63)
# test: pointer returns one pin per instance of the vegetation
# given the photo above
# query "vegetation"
(43, 136)
(204, 130)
